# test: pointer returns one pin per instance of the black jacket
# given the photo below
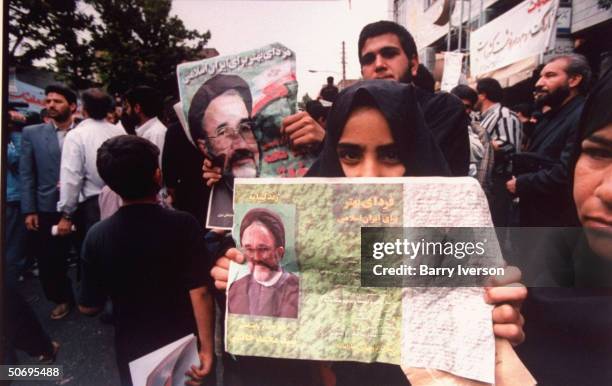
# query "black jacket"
(544, 195)
(446, 118)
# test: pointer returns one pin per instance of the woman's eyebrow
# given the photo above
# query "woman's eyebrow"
(600, 140)
(349, 146)
(389, 146)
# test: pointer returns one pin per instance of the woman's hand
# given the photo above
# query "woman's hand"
(221, 269)
(507, 319)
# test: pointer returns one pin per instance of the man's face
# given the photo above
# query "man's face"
(593, 190)
(480, 102)
(58, 107)
(467, 104)
(382, 57)
(229, 130)
(129, 118)
(262, 254)
(553, 87)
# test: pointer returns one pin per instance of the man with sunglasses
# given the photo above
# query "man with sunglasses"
(220, 124)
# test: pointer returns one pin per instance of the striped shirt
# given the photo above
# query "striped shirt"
(503, 125)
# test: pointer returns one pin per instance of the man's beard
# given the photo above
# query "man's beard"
(60, 116)
(552, 99)
(407, 77)
(129, 122)
(247, 170)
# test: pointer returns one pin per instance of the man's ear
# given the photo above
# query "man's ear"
(73, 107)
(280, 251)
(158, 177)
(137, 109)
(574, 81)
(415, 64)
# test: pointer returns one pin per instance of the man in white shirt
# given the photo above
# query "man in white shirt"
(142, 106)
(80, 183)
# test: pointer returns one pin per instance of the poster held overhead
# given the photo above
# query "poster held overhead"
(233, 106)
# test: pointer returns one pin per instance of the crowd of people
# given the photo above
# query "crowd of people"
(120, 183)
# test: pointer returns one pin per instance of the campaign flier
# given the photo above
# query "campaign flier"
(269, 74)
(314, 288)
(232, 109)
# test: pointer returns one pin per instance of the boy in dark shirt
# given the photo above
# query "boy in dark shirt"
(151, 261)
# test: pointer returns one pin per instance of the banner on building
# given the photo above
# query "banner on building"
(26, 93)
(453, 65)
(525, 30)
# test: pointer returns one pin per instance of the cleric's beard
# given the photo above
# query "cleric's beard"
(244, 171)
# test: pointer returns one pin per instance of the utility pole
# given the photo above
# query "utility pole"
(459, 46)
(344, 60)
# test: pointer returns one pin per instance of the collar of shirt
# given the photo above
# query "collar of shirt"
(58, 129)
(140, 130)
(490, 110)
(271, 282)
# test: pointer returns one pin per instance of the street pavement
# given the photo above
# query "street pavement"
(87, 351)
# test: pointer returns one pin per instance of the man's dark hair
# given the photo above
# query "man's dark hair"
(149, 99)
(269, 219)
(211, 89)
(491, 88)
(330, 80)
(465, 92)
(383, 27)
(577, 65)
(127, 164)
(63, 91)
(96, 103)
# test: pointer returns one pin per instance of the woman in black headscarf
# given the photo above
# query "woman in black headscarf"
(569, 330)
(385, 115)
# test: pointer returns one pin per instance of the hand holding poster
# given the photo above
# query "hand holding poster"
(301, 293)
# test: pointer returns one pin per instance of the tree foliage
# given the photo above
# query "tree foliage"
(43, 29)
(113, 43)
(138, 42)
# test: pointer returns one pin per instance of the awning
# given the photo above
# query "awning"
(513, 73)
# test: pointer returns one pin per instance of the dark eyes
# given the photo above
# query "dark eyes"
(385, 52)
(354, 155)
(597, 152)
(389, 155)
(368, 58)
(350, 155)
(389, 52)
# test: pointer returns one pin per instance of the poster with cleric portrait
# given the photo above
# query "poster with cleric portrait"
(324, 278)
(232, 109)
